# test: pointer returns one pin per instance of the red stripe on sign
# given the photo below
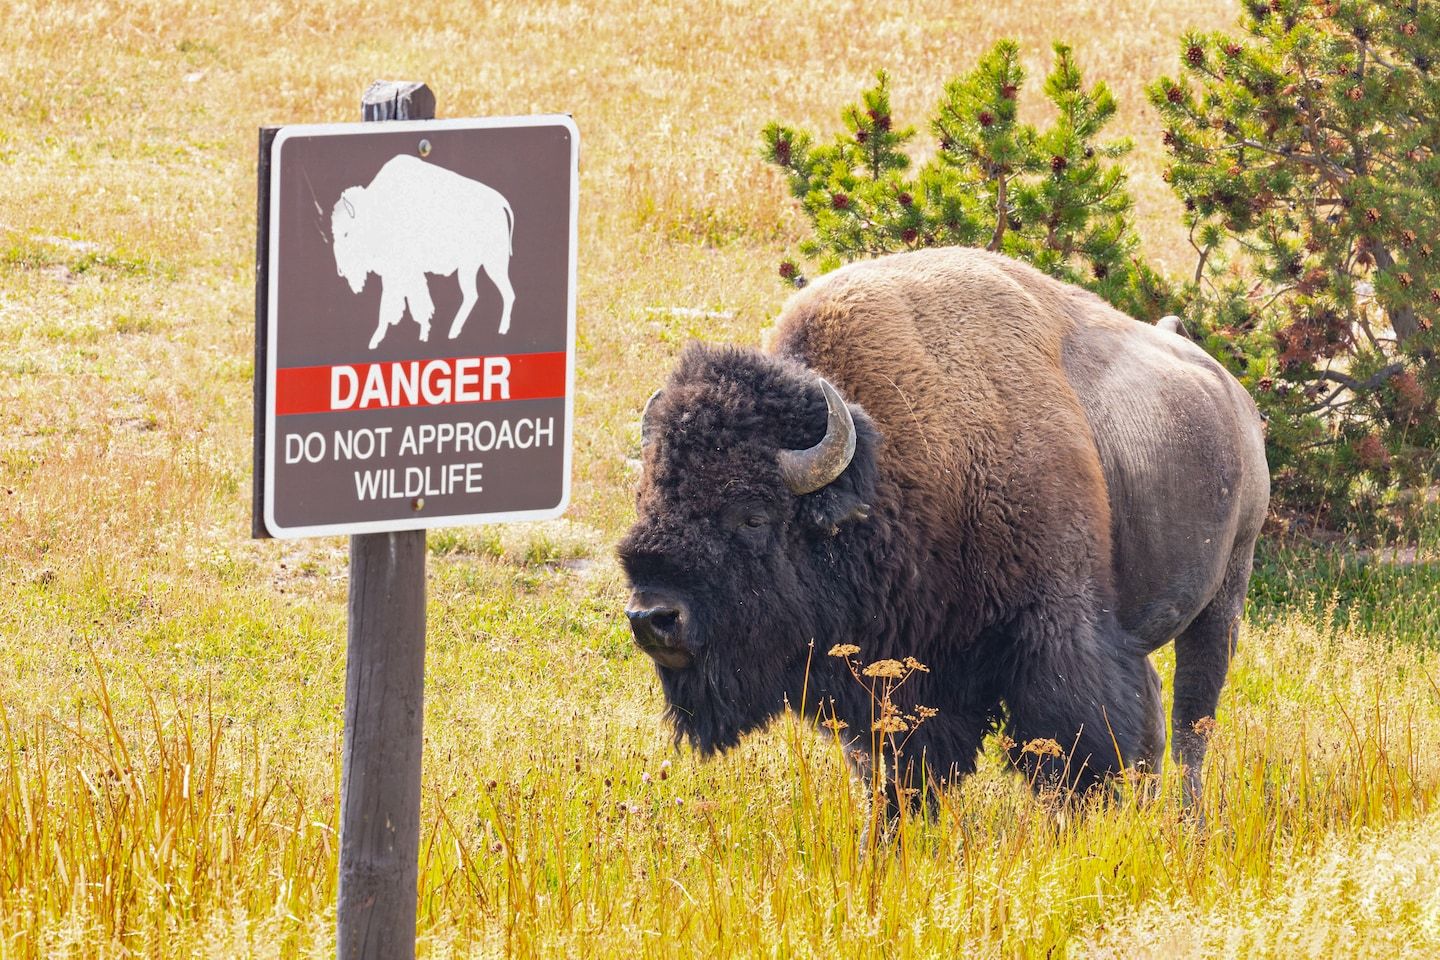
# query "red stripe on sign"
(436, 382)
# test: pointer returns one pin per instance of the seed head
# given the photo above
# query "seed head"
(1043, 747)
(844, 650)
(891, 669)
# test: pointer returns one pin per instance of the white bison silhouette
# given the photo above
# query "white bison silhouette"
(417, 218)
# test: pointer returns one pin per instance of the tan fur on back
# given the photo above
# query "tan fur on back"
(956, 355)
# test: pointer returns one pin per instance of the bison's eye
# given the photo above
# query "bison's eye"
(750, 520)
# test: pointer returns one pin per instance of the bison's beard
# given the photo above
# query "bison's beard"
(712, 704)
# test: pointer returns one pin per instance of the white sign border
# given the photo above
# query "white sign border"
(273, 256)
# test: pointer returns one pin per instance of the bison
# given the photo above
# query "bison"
(949, 455)
(417, 218)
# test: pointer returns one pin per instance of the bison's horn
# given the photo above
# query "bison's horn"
(805, 471)
(349, 207)
(647, 429)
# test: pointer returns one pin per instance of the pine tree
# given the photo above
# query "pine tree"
(1055, 197)
(1305, 155)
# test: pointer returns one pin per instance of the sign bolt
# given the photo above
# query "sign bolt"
(419, 504)
(424, 148)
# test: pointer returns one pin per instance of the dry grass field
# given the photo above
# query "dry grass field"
(170, 691)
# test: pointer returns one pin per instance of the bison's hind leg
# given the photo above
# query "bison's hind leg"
(498, 270)
(499, 273)
(1202, 661)
(468, 296)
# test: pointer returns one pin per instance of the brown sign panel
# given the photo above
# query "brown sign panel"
(419, 328)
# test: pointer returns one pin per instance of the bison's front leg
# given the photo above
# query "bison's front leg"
(422, 308)
(911, 768)
(392, 308)
(1084, 709)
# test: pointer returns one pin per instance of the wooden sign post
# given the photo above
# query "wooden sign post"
(384, 700)
(381, 430)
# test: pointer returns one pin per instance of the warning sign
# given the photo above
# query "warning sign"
(418, 319)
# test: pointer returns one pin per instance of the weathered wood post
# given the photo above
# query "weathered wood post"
(384, 700)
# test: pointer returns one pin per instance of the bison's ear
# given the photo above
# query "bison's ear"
(847, 498)
(350, 200)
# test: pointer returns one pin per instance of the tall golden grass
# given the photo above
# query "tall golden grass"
(170, 691)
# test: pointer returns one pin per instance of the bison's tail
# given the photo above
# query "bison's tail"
(510, 218)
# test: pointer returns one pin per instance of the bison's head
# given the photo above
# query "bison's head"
(757, 480)
(345, 234)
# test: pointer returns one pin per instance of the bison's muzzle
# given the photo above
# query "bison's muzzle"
(659, 629)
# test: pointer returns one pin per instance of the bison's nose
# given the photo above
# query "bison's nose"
(658, 631)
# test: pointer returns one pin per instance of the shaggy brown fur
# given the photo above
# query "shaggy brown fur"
(1053, 490)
